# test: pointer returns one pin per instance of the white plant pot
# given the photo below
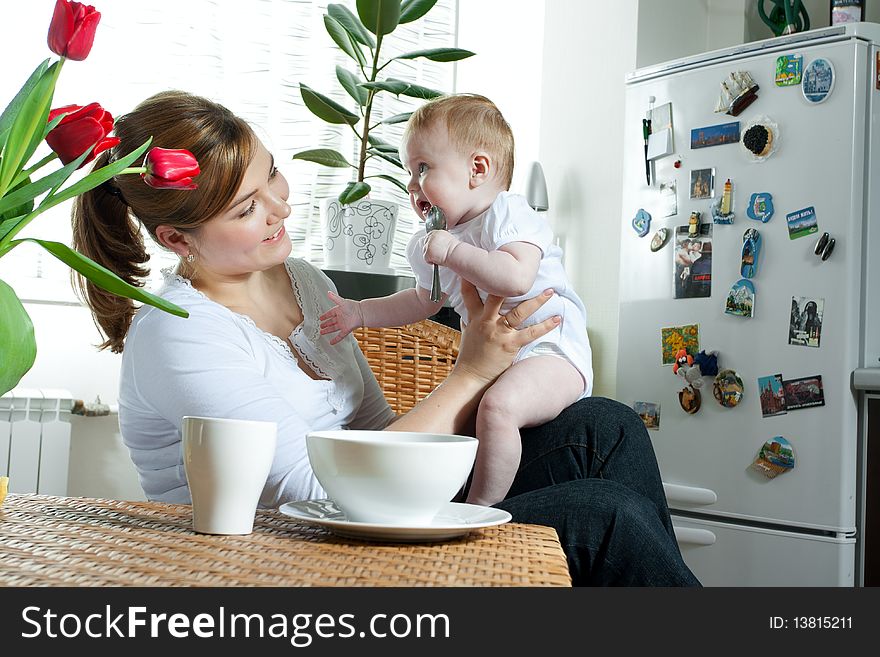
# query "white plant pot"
(358, 236)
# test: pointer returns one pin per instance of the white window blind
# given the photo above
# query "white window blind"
(249, 55)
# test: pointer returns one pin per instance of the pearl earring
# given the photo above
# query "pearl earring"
(190, 258)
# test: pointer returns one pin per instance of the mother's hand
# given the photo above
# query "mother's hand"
(490, 341)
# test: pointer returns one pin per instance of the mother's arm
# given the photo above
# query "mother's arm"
(488, 347)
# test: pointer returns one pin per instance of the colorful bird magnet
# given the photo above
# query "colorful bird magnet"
(760, 207)
(775, 457)
(641, 223)
(728, 388)
(659, 240)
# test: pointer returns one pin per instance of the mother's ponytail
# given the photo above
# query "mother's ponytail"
(104, 230)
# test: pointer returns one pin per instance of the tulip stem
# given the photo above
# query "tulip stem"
(27, 172)
(133, 170)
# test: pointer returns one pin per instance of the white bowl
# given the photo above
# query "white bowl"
(390, 477)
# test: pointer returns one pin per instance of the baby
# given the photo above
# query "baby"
(458, 151)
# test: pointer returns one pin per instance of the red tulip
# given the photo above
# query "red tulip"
(170, 168)
(82, 127)
(72, 31)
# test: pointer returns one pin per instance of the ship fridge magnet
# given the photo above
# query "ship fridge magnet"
(741, 299)
(760, 138)
(728, 388)
(722, 208)
(738, 91)
(775, 457)
(788, 70)
(760, 207)
(818, 80)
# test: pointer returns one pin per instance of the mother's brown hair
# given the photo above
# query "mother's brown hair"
(106, 219)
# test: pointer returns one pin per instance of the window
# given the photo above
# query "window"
(250, 56)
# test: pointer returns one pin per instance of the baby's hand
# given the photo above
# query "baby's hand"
(345, 317)
(439, 246)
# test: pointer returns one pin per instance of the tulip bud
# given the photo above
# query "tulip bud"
(72, 31)
(170, 168)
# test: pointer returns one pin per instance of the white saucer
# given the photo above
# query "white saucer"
(454, 519)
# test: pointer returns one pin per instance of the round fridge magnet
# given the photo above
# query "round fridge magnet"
(728, 388)
(818, 80)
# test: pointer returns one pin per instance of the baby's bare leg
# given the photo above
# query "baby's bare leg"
(532, 391)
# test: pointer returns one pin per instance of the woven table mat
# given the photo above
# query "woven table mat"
(67, 541)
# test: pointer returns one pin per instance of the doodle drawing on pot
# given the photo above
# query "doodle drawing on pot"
(359, 235)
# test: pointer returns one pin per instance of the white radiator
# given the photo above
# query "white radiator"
(35, 440)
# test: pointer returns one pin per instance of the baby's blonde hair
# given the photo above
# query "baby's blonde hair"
(473, 123)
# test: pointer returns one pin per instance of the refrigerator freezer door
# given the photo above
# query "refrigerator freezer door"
(819, 162)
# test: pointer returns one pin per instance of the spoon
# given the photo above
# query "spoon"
(435, 220)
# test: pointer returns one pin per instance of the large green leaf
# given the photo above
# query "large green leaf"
(18, 348)
(350, 82)
(352, 25)
(388, 157)
(438, 54)
(26, 131)
(15, 105)
(381, 144)
(20, 209)
(391, 179)
(103, 277)
(354, 191)
(344, 40)
(397, 118)
(326, 156)
(401, 88)
(7, 225)
(29, 192)
(326, 108)
(379, 16)
(411, 10)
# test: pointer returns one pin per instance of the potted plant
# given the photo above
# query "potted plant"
(359, 231)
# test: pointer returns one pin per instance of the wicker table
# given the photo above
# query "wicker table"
(67, 541)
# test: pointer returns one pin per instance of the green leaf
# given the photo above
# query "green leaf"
(29, 192)
(344, 40)
(354, 191)
(326, 108)
(26, 131)
(350, 82)
(387, 157)
(391, 179)
(379, 16)
(326, 156)
(397, 118)
(439, 54)
(351, 24)
(14, 106)
(18, 208)
(7, 225)
(18, 347)
(411, 10)
(401, 88)
(381, 145)
(103, 277)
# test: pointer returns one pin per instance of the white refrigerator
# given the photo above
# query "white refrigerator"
(764, 489)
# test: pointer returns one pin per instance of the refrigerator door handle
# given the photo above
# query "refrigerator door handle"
(689, 494)
(693, 536)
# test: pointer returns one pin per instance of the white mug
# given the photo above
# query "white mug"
(227, 462)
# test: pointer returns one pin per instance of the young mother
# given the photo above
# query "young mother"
(251, 348)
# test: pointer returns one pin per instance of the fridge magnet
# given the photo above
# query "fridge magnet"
(675, 338)
(692, 263)
(660, 139)
(760, 207)
(690, 400)
(641, 223)
(684, 367)
(659, 240)
(649, 412)
(738, 91)
(750, 250)
(775, 457)
(669, 198)
(824, 246)
(702, 183)
(801, 223)
(715, 135)
(805, 392)
(722, 208)
(741, 299)
(805, 324)
(761, 138)
(788, 70)
(772, 395)
(707, 362)
(677, 163)
(694, 224)
(728, 388)
(818, 80)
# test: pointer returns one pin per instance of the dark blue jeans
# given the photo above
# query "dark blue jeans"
(592, 475)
